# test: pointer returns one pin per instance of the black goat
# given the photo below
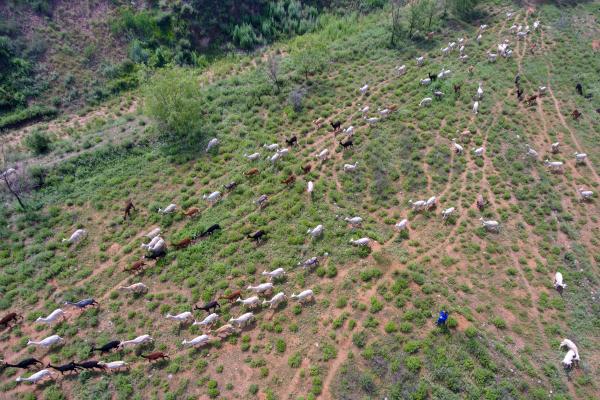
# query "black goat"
(65, 368)
(209, 306)
(230, 185)
(24, 364)
(92, 364)
(107, 347)
(81, 304)
(336, 125)
(257, 236)
(579, 89)
(292, 141)
(432, 77)
(346, 144)
(211, 229)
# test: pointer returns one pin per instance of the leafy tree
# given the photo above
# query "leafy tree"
(464, 9)
(38, 142)
(396, 26)
(416, 13)
(173, 98)
(310, 59)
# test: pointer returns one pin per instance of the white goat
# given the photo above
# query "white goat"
(558, 281)
(223, 331)
(262, 288)
(430, 203)
(464, 58)
(542, 90)
(401, 70)
(323, 155)
(153, 233)
(438, 94)
(447, 213)
(420, 61)
(476, 107)
(250, 302)
(138, 340)
(385, 112)
(208, 321)
(271, 147)
(458, 149)
(135, 288)
(114, 365)
(531, 152)
(364, 89)
(536, 25)
(417, 205)
(555, 147)
(555, 166)
(183, 317)
(350, 167)
(275, 157)
(479, 151)
(568, 360)
(571, 346)
(304, 296)
(47, 342)
(275, 300)
(445, 51)
(54, 315)
(425, 81)
(365, 109)
(425, 102)
(283, 152)
(38, 376)
(479, 92)
(371, 120)
(151, 244)
(580, 158)
(490, 225)
(168, 209)
(521, 35)
(276, 273)
(585, 194)
(310, 186)
(252, 157)
(212, 143)
(479, 37)
(243, 320)
(197, 341)
(365, 241)
(349, 130)
(311, 262)
(213, 197)
(316, 231)
(77, 236)
(354, 221)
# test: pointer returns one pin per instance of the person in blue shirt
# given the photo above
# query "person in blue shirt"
(442, 318)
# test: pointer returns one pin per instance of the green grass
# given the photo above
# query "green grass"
(375, 309)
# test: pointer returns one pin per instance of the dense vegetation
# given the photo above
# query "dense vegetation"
(370, 333)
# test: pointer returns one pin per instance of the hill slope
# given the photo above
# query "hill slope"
(370, 332)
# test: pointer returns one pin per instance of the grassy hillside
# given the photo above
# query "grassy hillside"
(370, 333)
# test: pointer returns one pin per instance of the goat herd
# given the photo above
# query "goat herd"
(156, 247)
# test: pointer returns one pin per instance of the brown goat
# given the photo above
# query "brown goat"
(289, 180)
(137, 266)
(307, 168)
(251, 172)
(531, 100)
(392, 107)
(576, 114)
(10, 317)
(456, 88)
(231, 297)
(128, 207)
(182, 244)
(191, 212)
(480, 202)
(157, 355)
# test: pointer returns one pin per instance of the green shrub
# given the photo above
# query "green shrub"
(38, 142)
(413, 363)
